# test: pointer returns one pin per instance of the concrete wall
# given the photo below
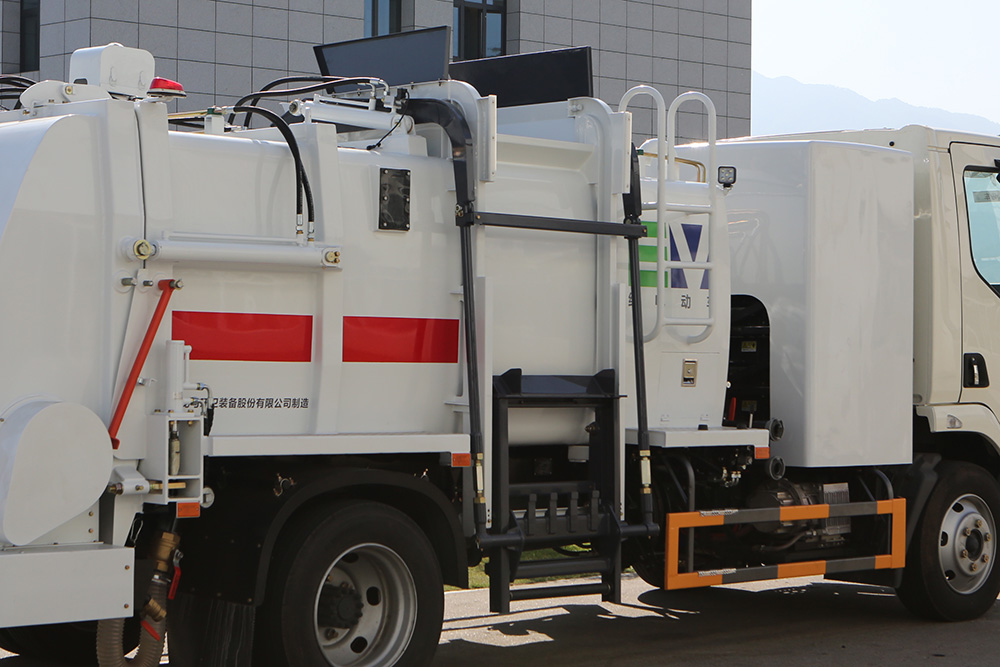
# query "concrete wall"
(222, 49)
(676, 45)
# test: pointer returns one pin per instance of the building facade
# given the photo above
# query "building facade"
(220, 50)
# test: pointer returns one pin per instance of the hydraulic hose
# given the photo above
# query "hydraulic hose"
(325, 83)
(301, 180)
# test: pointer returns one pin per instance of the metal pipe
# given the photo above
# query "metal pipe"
(215, 252)
(167, 288)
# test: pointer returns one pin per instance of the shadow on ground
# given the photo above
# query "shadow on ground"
(817, 624)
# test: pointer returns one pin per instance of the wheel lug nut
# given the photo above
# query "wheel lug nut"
(986, 558)
(987, 537)
(967, 532)
(965, 553)
(331, 633)
(973, 567)
(979, 523)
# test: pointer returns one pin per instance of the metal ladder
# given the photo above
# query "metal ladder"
(572, 512)
(685, 197)
(558, 513)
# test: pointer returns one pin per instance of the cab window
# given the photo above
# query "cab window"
(982, 195)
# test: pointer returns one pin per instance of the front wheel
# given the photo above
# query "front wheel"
(354, 585)
(951, 572)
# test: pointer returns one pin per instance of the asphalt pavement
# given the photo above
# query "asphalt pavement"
(800, 622)
(793, 622)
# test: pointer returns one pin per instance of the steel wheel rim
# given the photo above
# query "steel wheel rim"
(967, 544)
(379, 579)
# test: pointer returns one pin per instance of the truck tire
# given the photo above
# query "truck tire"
(356, 584)
(950, 570)
(70, 643)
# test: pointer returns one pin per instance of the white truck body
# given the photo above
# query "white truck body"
(330, 415)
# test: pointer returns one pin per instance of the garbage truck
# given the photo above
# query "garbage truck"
(274, 375)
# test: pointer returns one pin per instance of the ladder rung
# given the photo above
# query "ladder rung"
(539, 592)
(688, 322)
(557, 567)
(671, 264)
(678, 208)
(545, 488)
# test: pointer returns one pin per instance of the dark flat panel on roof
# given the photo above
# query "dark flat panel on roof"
(530, 78)
(405, 57)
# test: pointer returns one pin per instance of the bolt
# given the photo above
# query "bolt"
(967, 532)
(986, 558)
(128, 282)
(138, 487)
(147, 283)
(986, 537)
(979, 523)
(330, 633)
(458, 211)
(973, 567)
(90, 514)
(128, 567)
(126, 605)
(91, 530)
(965, 553)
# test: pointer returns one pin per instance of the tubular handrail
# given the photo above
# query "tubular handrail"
(668, 169)
(662, 129)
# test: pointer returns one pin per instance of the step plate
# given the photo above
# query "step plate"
(895, 558)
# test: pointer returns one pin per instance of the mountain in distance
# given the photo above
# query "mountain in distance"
(783, 105)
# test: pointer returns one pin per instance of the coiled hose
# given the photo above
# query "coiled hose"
(153, 617)
(151, 637)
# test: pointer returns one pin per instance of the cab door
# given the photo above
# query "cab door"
(977, 188)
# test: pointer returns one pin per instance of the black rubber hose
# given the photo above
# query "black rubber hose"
(13, 80)
(255, 97)
(277, 82)
(301, 180)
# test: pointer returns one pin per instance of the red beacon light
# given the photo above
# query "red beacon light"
(161, 87)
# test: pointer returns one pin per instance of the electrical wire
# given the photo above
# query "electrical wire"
(402, 112)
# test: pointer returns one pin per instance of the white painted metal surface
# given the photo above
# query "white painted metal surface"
(65, 584)
(822, 234)
(55, 461)
(118, 69)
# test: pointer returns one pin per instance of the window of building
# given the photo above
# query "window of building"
(479, 29)
(30, 28)
(383, 17)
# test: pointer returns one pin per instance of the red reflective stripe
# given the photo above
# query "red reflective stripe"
(400, 340)
(245, 336)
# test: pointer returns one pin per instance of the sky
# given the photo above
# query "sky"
(934, 53)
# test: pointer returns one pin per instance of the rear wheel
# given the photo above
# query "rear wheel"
(355, 585)
(951, 572)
